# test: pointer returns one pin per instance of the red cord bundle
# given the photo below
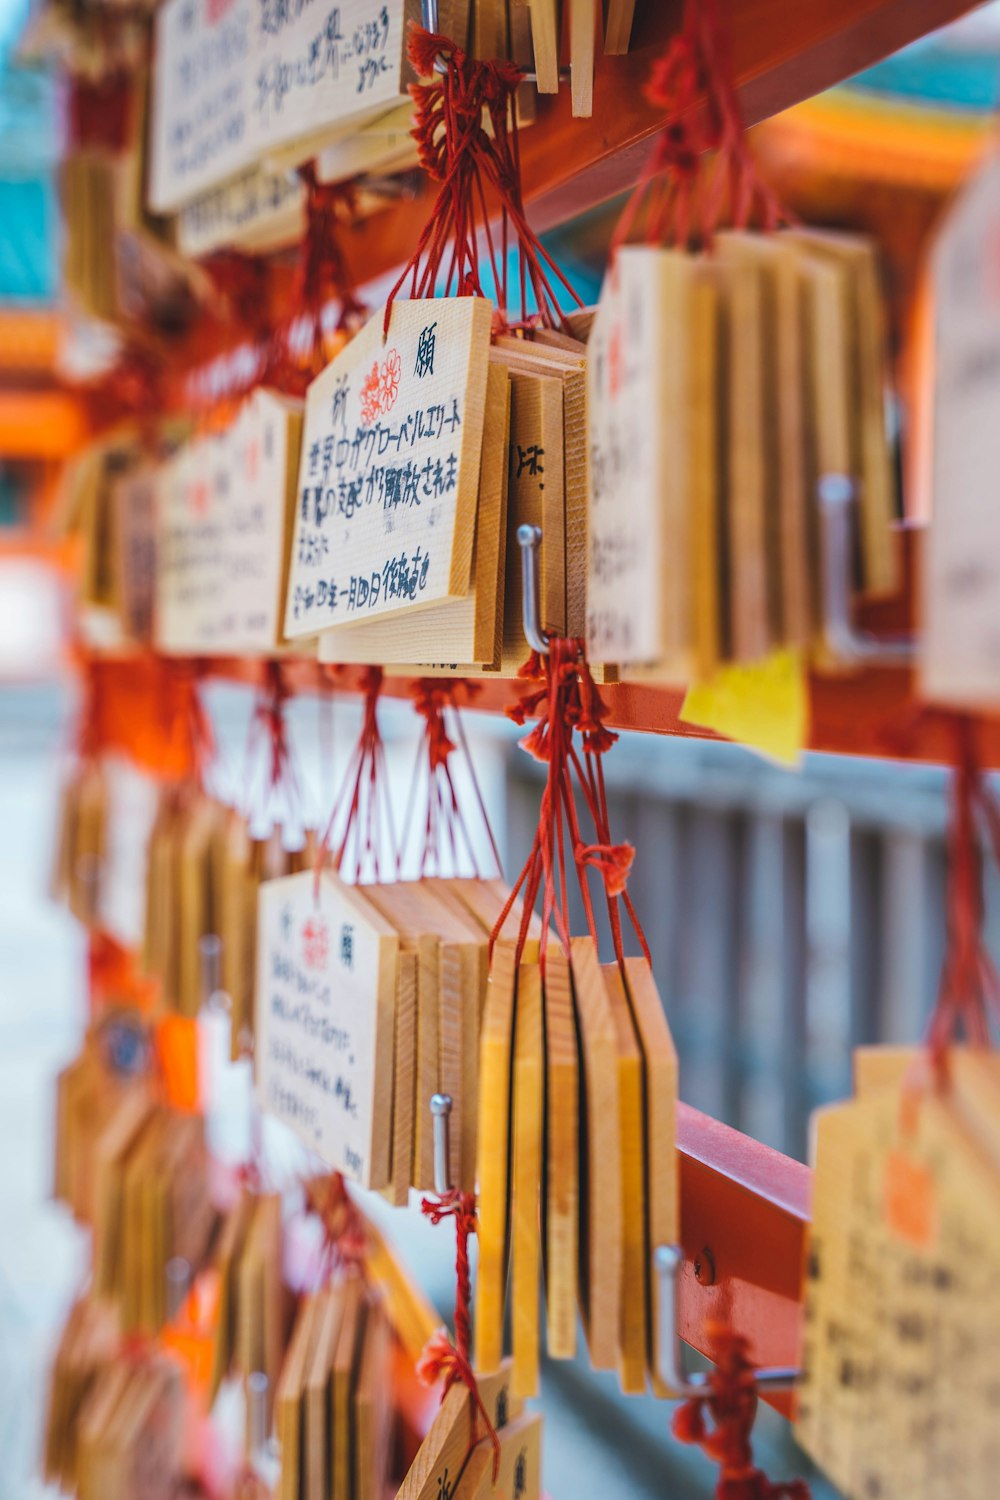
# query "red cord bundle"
(684, 199)
(568, 703)
(730, 1400)
(446, 838)
(470, 162)
(970, 987)
(355, 829)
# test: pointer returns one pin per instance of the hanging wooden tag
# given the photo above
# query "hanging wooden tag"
(388, 482)
(494, 1156)
(520, 1473)
(416, 938)
(646, 474)
(662, 1190)
(464, 631)
(319, 1394)
(901, 1326)
(258, 211)
(561, 1200)
(289, 1399)
(224, 522)
(958, 660)
(347, 1355)
(442, 1455)
(526, 1179)
(230, 86)
(229, 1248)
(131, 806)
(134, 500)
(404, 1080)
(325, 1021)
(633, 1291)
(372, 1410)
(600, 1169)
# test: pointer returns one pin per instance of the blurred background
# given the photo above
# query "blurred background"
(790, 916)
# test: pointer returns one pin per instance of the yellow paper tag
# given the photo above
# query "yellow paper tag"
(762, 704)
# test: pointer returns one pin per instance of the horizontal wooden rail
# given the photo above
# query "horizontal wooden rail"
(744, 1212)
(783, 51)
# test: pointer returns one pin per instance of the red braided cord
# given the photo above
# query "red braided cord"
(569, 703)
(730, 1400)
(683, 197)
(469, 161)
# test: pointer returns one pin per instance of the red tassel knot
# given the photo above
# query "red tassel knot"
(441, 1361)
(730, 1400)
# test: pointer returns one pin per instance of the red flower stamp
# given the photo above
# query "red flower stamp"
(380, 387)
(315, 943)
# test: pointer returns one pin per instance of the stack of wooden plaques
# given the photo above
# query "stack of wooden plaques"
(152, 1206)
(707, 446)
(87, 1345)
(89, 1094)
(420, 457)
(130, 1434)
(250, 1326)
(203, 872)
(369, 1001)
(80, 840)
(223, 518)
(334, 1415)
(902, 1320)
(577, 1171)
(450, 1462)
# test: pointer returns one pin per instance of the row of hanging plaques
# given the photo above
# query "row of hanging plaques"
(379, 522)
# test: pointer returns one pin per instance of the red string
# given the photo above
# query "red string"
(445, 826)
(345, 1231)
(99, 111)
(471, 162)
(681, 196)
(730, 1400)
(970, 987)
(362, 799)
(568, 703)
(269, 733)
(323, 276)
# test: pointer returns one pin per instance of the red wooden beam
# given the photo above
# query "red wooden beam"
(744, 1212)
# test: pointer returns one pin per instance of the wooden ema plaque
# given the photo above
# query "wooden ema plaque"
(222, 540)
(902, 1316)
(233, 84)
(389, 474)
(325, 1021)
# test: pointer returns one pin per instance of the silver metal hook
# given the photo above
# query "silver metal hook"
(837, 494)
(529, 540)
(441, 1114)
(429, 18)
(667, 1261)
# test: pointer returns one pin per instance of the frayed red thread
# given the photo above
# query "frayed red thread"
(730, 1401)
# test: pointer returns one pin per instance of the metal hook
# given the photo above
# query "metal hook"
(429, 17)
(529, 540)
(441, 1113)
(667, 1260)
(837, 494)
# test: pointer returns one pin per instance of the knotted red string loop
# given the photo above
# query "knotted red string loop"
(701, 169)
(446, 837)
(323, 276)
(269, 749)
(473, 164)
(345, 1231)
(362, 811)
(99, 111)
(969, 992)
(441, 1361)
(730, 1400)
(568, 704)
